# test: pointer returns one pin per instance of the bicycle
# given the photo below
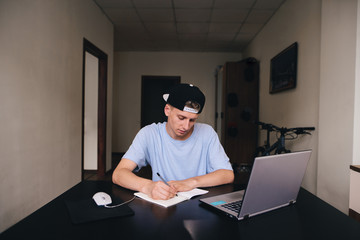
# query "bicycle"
(282, 135)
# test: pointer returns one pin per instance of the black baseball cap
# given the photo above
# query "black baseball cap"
(185, 97)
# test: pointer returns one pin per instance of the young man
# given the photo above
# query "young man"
(185, 153)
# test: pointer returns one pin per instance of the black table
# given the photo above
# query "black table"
(309, 218)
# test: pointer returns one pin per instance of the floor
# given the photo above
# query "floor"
(91, 176)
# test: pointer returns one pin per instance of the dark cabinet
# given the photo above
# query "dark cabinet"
(237, 110)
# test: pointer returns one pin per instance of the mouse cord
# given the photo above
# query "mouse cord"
(120, 203)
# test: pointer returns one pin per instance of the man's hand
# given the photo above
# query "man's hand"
(159, 190)
(218, 177)
(184, 185)
(123, 176)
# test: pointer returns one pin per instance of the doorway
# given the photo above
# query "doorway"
(152, 102)
(94, 103)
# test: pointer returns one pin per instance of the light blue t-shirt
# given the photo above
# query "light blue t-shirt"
(200, 154)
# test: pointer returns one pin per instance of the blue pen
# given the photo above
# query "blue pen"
(162, 179)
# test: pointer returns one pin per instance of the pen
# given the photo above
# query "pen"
(163, 180)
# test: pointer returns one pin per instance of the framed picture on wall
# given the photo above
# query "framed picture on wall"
(283, 69)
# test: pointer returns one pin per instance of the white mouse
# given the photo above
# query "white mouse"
(102, 198)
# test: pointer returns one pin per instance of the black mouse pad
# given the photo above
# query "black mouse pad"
(87, 211)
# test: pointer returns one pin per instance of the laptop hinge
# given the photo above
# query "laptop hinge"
(246, 216)
(291, 202)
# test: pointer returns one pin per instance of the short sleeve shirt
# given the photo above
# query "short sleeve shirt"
(200, 154)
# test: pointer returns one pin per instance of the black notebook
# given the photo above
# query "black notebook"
(86, 210)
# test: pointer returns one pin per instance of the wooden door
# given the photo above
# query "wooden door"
(152, 102)
(240, 103)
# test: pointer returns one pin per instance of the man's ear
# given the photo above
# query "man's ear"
(167, 110)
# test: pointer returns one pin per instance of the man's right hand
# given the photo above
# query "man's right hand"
(123, 176)
(159, 190)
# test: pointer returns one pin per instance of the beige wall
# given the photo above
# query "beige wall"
(324, 97)
(196, 68)
(296, 107)
(336, 99)
(41, 98)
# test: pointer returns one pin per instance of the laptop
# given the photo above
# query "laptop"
(274, 182)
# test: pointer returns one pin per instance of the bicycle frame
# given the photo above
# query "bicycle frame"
(279, 145)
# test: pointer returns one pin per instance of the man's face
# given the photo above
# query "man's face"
(180, 124)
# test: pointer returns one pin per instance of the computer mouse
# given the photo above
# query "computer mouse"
(102, 198)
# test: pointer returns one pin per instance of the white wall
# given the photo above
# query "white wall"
(337, 97)
(354, 201)
(91, 112)
(324, 96)
(295, 21)
(41, 98)
(356, 143)
(196, 68)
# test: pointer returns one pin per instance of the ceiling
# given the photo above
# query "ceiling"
(187, 25)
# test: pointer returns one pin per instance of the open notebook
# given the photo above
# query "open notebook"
(181, 196)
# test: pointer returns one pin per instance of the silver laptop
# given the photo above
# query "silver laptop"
(274, 183)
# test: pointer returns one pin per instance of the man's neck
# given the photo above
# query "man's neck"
(174, 136)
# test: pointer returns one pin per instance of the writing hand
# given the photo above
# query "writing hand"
(160, 191)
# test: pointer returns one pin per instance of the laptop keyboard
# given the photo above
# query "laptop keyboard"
(233, 206)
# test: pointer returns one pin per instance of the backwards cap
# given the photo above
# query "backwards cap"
(185, 97)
